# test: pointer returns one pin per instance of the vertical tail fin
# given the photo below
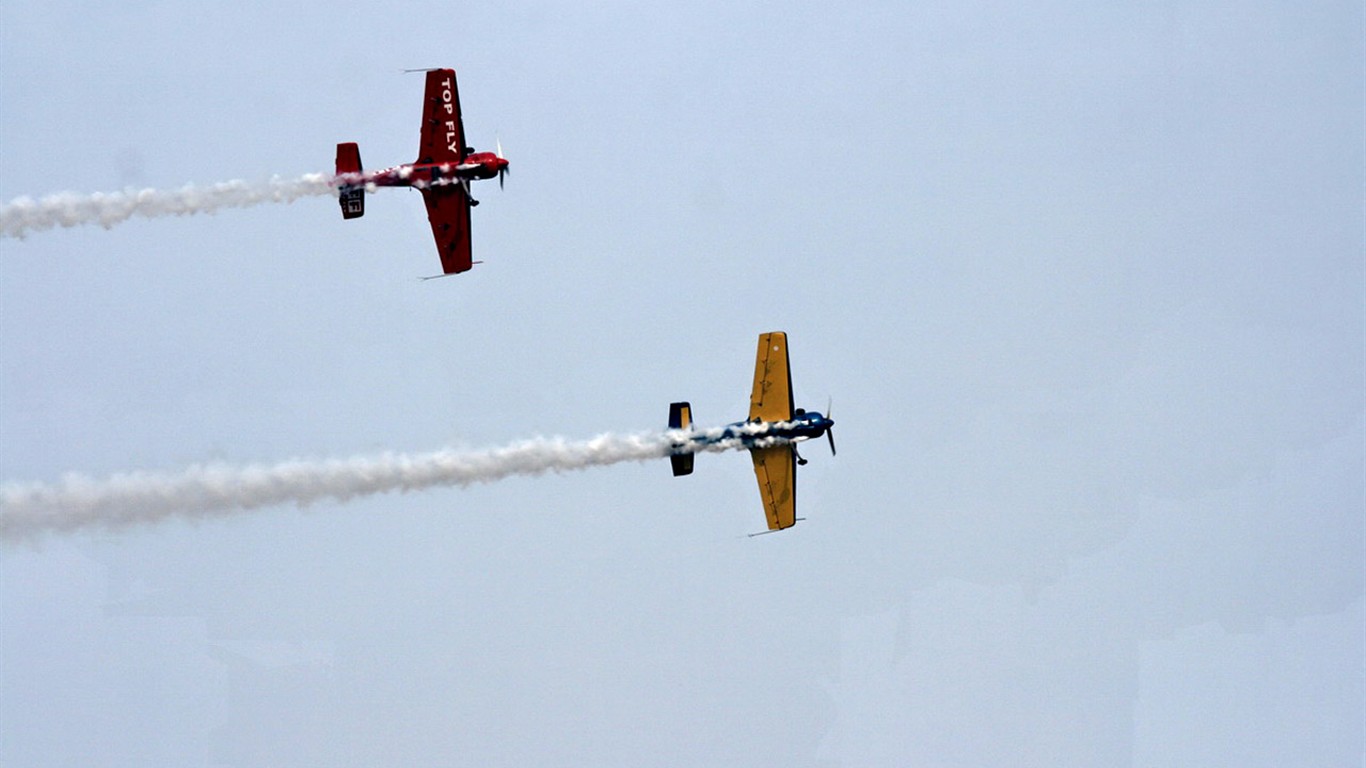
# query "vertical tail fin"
(352, 196)
(680, 417)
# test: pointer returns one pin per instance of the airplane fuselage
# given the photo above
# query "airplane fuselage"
(803, 426)
(478, 165)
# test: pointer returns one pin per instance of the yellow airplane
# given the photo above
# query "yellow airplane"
(771, 432)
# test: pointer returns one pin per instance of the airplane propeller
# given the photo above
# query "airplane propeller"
(830, 431)
(502, 169)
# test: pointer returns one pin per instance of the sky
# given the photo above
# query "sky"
(1084, 285)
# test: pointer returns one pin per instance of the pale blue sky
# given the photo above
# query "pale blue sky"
(1085, 284)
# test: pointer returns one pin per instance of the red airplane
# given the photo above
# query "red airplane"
(442, 172)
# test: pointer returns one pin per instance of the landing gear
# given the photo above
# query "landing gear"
(465, 185)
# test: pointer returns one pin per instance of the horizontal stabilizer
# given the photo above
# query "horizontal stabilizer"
(680, 417)
(682, 464)
(350, 196)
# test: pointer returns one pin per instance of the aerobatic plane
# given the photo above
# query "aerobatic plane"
(771, 432)
(443, 171)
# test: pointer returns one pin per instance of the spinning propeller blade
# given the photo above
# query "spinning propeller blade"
(503, 169)
(830, 431)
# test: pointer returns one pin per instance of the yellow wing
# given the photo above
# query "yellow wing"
(776, 469)
(771, 399)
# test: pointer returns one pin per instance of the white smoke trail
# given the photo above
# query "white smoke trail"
(24, 215)
(199, 492)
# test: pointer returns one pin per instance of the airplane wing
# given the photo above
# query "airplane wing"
(776, 469)
(448, 210)
(443, 131)
(771, 399)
